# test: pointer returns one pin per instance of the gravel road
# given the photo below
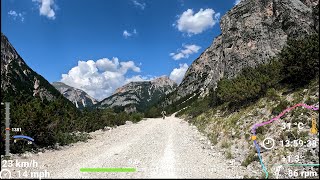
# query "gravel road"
(157, 148)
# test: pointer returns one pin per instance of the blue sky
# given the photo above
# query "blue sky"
(99, 45)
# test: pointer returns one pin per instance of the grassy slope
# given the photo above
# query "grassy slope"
(231, 131)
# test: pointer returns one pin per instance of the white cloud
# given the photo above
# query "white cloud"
(139, 78)
(186, 52)
(13, 13)
(125, 66)
(127, 34)
(46, 8)
(237, 2)
(217, 16)
(105, 64)
(101, 78)
(16, 15)
(196, 23)
(141, 5)
(177, 74)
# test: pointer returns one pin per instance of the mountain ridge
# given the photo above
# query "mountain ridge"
(77, 96)
(18, 78)
(139, 95)
(251, 34)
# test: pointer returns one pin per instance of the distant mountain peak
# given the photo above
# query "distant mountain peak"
(139, 95)
(163, 80)
(157, 82)
(77, 96)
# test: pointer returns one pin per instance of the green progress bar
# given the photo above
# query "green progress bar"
(296, 164)
(108, 169)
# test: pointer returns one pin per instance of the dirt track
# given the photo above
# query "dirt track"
(157, 148)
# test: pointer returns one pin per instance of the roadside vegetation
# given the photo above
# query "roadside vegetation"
(258, 94)
(294, 68)
(57, 122)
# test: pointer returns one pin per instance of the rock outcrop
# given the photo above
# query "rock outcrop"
(78, 97)
(251, 33)
(18, 79)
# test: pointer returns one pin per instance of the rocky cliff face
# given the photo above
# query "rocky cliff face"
(137, 96)
(252, 33)
(18, 79)
(78, 97)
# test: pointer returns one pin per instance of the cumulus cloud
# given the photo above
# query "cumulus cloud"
(102, 77)
(46, 8)
(127, 34)
(138, 4)
(186, 52)
(237, 2)
(139, 78)
(16, 15)
(125, 66)
(191, 23)
(177, 74)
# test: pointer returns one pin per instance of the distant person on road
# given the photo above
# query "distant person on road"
(163, 114)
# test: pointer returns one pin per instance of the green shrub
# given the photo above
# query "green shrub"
(280, 107)
(136, 117)
(247, 136)
(272, 94)
(288, 135)
(213, 137)
(197, 107)
(249, 159)
(68, 138)
(153, 112)
(311, 101)
(229, 154)
(232, 121)
(301, 60)
(249, 85)
(296, 66)
(225, 144)
(261, 130)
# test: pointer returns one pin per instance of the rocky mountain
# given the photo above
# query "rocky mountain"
(78, 97)
(137, 96)
(18, 79)
(251, 33)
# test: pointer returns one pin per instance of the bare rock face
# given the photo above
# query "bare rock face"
(137, 96)
(78, 97)
(18, 79)
(252, 33)
(310, 3)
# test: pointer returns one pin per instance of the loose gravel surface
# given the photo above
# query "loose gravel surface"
(157, 148)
